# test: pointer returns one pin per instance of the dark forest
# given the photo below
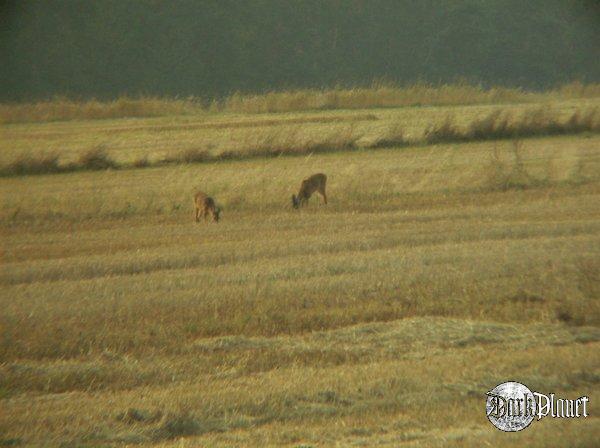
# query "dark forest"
(108, 48)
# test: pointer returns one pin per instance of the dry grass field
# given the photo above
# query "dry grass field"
(142, 142)
(435, 273)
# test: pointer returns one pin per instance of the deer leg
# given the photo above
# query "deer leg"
(197, 215)
(322, 191)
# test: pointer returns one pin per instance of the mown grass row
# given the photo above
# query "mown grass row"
(290, 405)
(498, 124)
(501, 125)
(406, 233)
(134, 302)
(377, 95)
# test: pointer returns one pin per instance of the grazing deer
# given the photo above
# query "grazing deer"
(204, 205)
(316, 182)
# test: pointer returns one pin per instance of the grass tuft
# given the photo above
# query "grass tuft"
(141, 162)
(28, 164)
(393, 136)
(189, 156)
(184, 424)
(510, 173)
(96, 159)
(133, 415)
(493, 126)
(444, 132)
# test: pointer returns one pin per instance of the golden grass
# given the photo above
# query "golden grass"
(60, 109)
(389, 95)
(499, 124)
(433, 274)
(88, 145)
(376, 96)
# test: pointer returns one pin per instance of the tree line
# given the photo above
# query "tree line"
(211, 48)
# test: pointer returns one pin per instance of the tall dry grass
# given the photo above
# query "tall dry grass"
(374, 96)
(59, 109)
(500, 124)
(94, 159)
(276, 141)
(377, 95)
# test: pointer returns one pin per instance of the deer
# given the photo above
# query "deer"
(204, 205)
(316, 182)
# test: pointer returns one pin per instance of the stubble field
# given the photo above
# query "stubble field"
(434, 273)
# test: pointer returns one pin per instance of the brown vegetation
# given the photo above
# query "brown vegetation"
(68, 109)
(378, 95)
(499, 124)
(276, 141)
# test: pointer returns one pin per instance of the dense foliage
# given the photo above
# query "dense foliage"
(212, 48)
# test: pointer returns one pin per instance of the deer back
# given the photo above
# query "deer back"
(202, 200)
(312, 184)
